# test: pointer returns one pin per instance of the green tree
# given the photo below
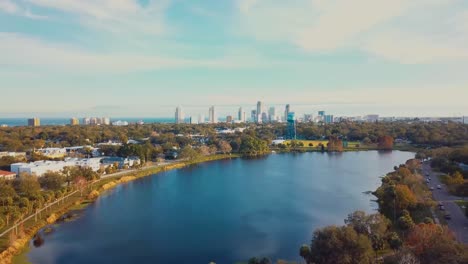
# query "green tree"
(28, 185)
(52, 181)
(340, 245)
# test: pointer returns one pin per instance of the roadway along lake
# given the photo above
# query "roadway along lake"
(223, 211)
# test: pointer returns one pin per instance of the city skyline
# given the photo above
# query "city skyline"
(139, 58)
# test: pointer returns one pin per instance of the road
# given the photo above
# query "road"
(459, 222)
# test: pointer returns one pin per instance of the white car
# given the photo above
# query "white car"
(432, 188)
(439, 187)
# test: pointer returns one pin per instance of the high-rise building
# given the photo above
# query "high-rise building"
(241, 115)
(291, 129)
(106, 121)
(321, 113)
(212, 115)
(272, 114)
(86, 121)
(286, 112)
(259, 112)
(179, 115)
(201, 119)
(372, 118)
(328, 119)
(229, 119)
(34, 122)
(253, 115)
(74, 121)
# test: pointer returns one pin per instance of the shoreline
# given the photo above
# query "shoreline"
(20, 246)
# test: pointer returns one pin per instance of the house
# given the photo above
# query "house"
(7, 175)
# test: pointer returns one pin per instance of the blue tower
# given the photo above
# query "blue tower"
(291, 129)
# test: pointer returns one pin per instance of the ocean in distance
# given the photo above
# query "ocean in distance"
(66, 121)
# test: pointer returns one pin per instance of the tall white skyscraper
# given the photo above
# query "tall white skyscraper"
(272, 114)
(179, 115)
(241, 115)
(287, 110)
(212, 115)
(201, 119)
(259, 112)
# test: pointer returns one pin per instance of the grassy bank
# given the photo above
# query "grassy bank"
(15, 252)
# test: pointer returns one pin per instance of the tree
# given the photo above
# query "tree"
(433, 243)
(385, 143)
(335, 144)
(340, 245)
(28, 185)
(394, 241)
(224, 147)
(189, 153)
(405, 198)
(405, 221)
(52, 181)
(304, 252)
(6, 192)
(81, 183)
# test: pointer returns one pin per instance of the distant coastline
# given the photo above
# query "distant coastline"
(13, 122)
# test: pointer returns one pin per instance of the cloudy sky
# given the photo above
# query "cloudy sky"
(142, 58)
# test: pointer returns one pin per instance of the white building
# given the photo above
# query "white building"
(371, 118)
(38, 168)
(272, 114)
(179, 115)
(7, 175)
(201, 119)
(120, 123)
(212, 115)
(241, 115)
(12, 154)
(52, 152)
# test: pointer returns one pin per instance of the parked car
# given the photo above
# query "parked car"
(439, 187)
(432, 188)
(442, 208)
(448, 216)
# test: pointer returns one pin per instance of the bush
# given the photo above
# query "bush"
(93, 195)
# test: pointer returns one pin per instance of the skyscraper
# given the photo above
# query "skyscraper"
(259, 112)
(212, 115)
(321, 113)
(74, 121)
(241, 115)
(286, 112)
(34, 122)
(201, 119)
(253, 115)
(229, 119)
(179, 115)
(272, 114)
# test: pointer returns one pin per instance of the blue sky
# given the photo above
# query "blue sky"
(143, 58)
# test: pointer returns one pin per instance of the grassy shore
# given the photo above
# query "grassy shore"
(15, 252)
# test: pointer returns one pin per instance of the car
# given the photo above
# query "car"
(442, 208)
(439, 187)
(427, 180)
(432, 188)
(430, 178)
(448, 216)
(440, 203)
(427, 174)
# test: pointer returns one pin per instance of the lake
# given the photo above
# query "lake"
(223, 211)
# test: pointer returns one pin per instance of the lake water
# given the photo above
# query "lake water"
(223, 211)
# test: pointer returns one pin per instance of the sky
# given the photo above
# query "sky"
(142, 58)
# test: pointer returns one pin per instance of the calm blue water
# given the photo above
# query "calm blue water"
(223, 211)
(66, 121)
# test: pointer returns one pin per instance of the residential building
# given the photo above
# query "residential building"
(286, 112)
(201, 119)
(212, 115)
(371, 118)
(34, 122)
(52, 152)
(241, 115)
(253, 115)
(74, 121)
(264, 118)
(321, 113)
(229, 119)
(308, 118)
(259, 112)
(193, 121)
(179, 115)
(106, 121)
(272, 114)
(328, 119)
(7, 175)
(86, 121)
(120, 123)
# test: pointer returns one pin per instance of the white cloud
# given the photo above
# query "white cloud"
(116, 16)
(11, 8)
(20, 50)
(372, 26)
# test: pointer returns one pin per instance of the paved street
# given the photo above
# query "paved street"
(459, 222)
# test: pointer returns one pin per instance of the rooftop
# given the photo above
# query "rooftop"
(6, 173)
